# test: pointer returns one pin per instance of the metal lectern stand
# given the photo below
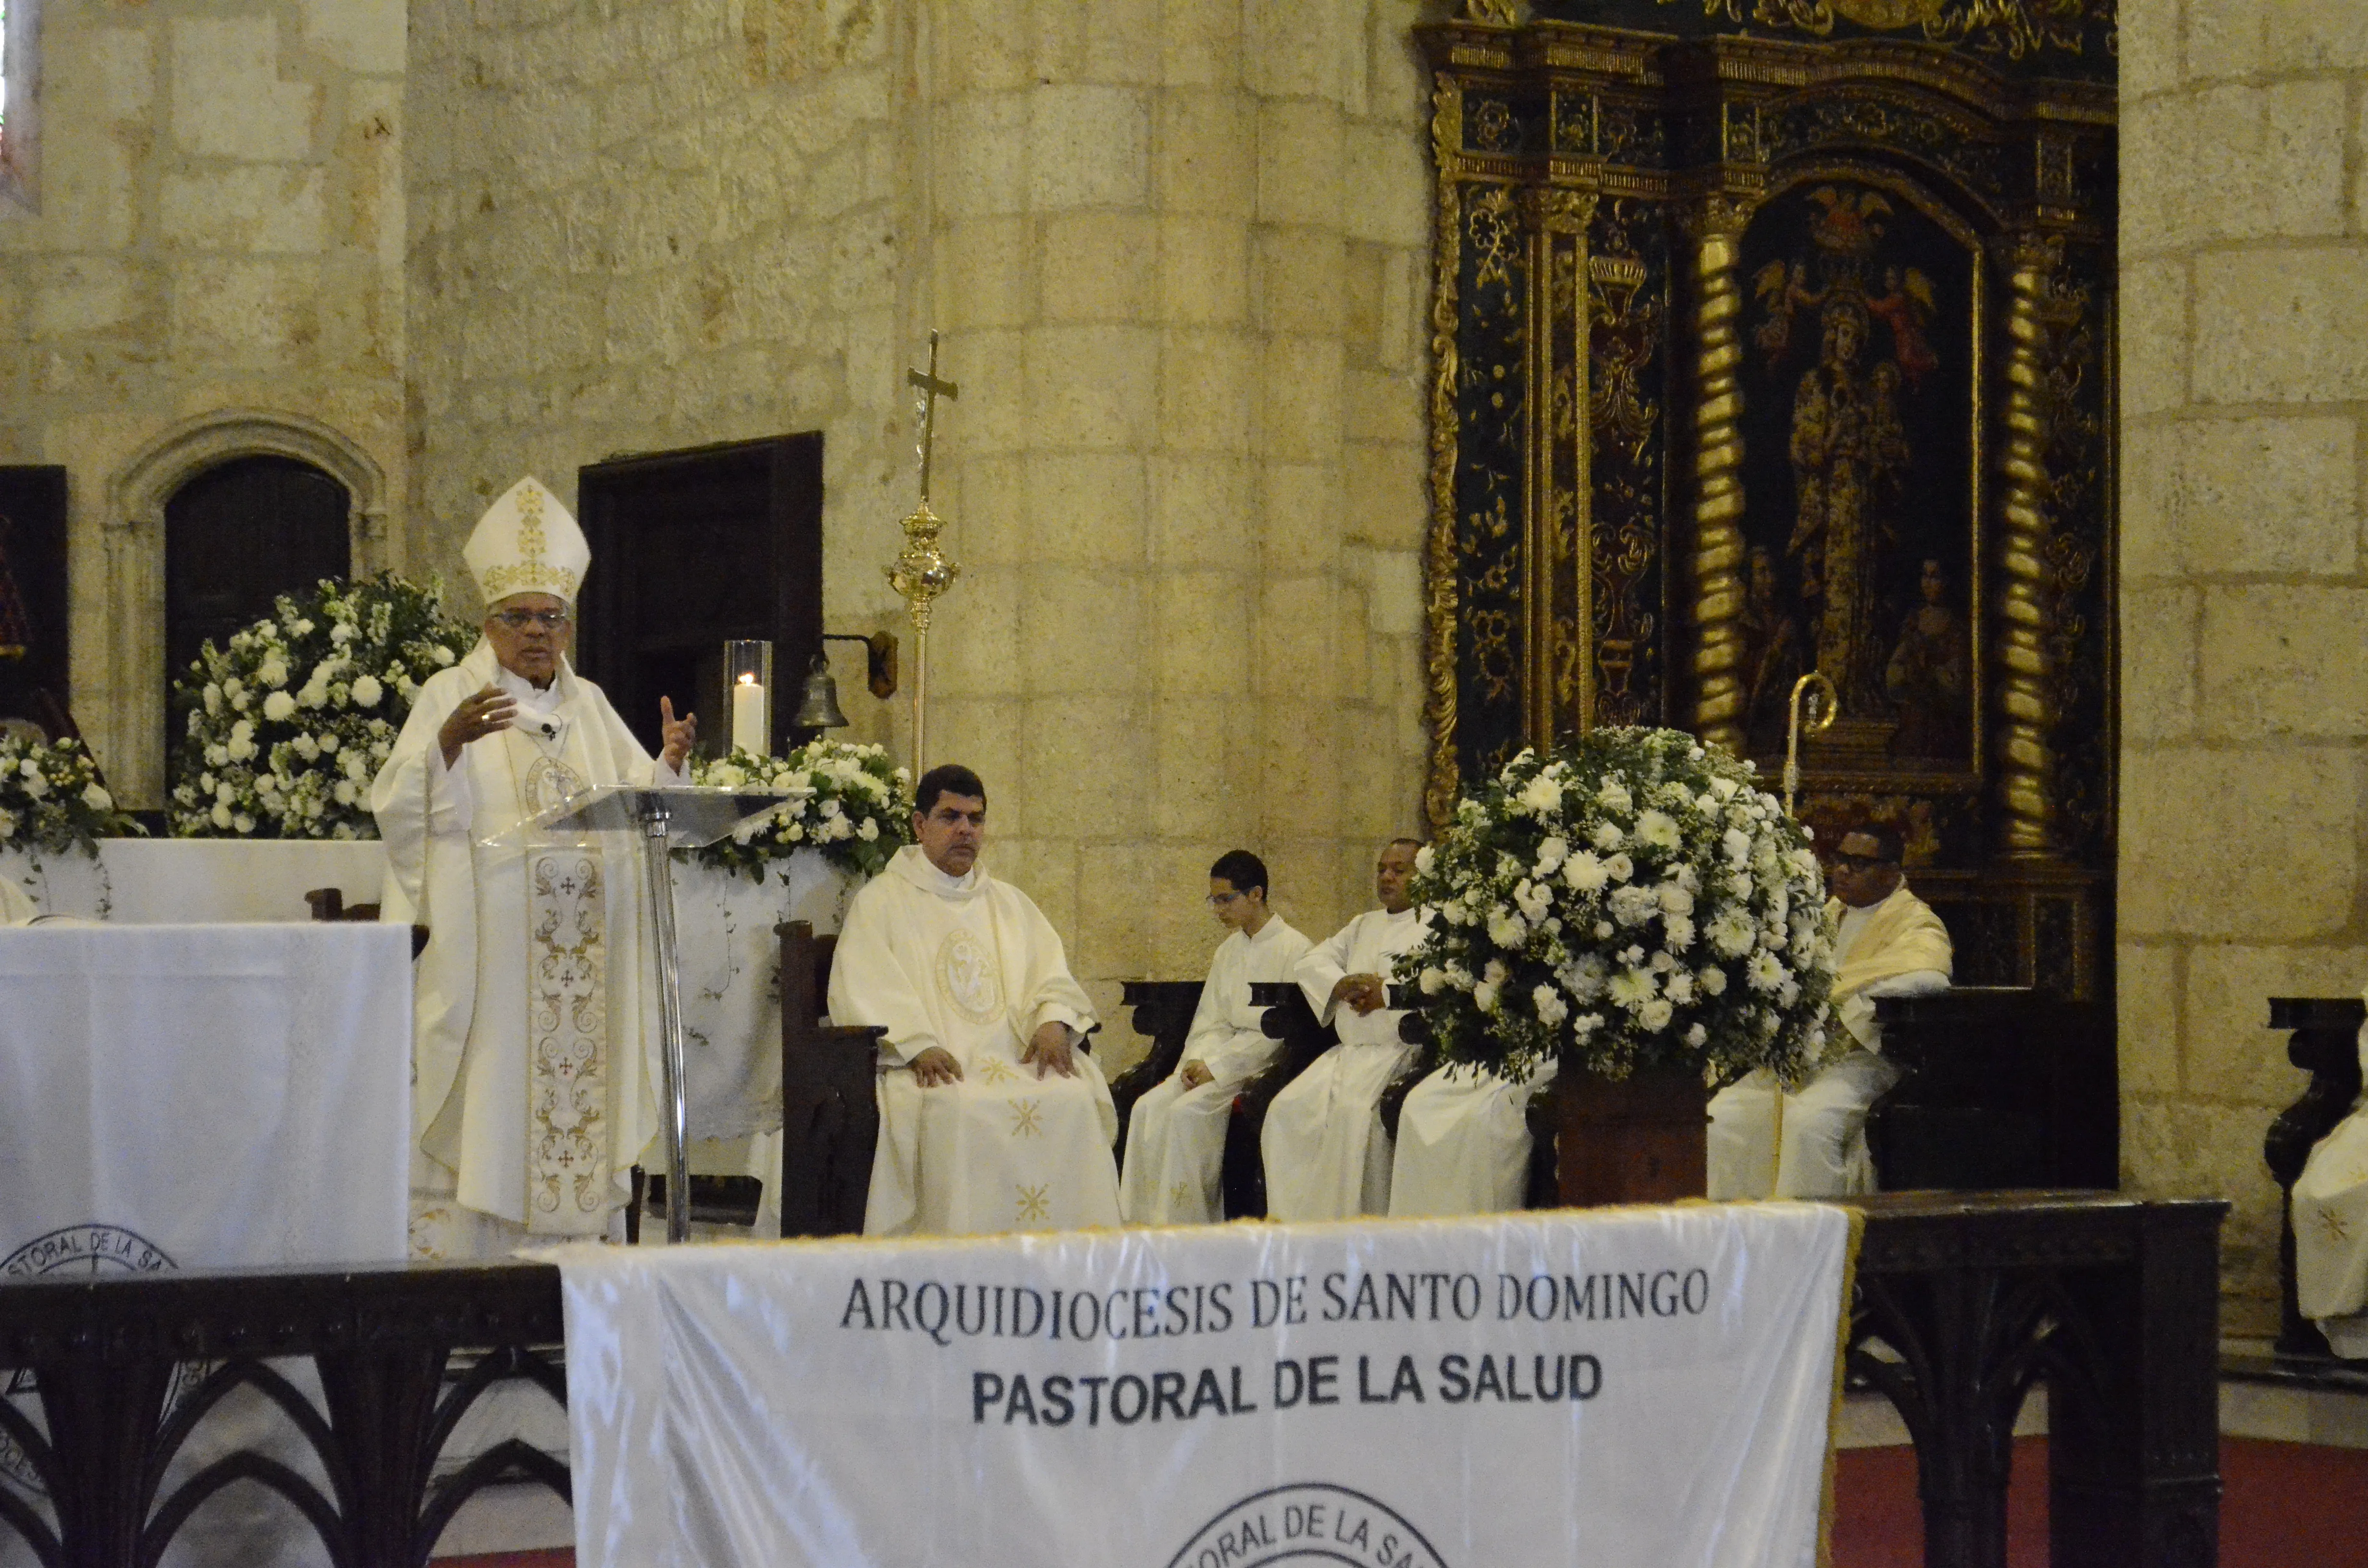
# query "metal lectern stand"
(665, 820)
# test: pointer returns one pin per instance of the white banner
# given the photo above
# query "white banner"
(1616, 1388)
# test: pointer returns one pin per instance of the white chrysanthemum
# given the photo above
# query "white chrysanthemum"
(1551, 1008)
(1678, 932)
(1553, 851)
(1697, 1036)
(272, 672)
(1633, 905)
(1659, 830)
(307, 747)
(1680, 986)
(1484, 996)
(1674, 899)
(1583, 976)
(1766, 972)
(278, 707)
(1542, 794)
(1506, 929)
(1736, 845)
(1606, 835)
(1732, 933)
(1533, 901)
(1631, 988)
(1713, 981)
(1612, 796)
(1583, 872)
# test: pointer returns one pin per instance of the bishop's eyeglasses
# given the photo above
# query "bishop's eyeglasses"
(520, 620)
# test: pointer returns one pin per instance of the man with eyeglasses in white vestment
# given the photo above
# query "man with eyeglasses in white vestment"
(535, 1056)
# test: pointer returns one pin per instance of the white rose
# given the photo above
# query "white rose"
(869, 832)
(221, 816)
(367, 691)
(1423, 861)
(1655, 1014)
(1533, 901)
(1551, 1008)
(1698, 1037)
(278, 707)
(96, 797)
(1607, 836)
(1613, 796)
(1676, 899)
(1619, 868)
(29, 768)
(35, 785)
(1484, 996)
(1433, 979)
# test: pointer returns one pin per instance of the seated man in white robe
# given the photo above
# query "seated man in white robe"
(1176, 1139)
(1888, 943)
(2330, 1228)
(1326, 1156)
(991, 1119)
(1464, 1141)
(535, 1060)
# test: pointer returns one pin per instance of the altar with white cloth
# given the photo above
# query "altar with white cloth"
(1636, 1385)
(195, 881)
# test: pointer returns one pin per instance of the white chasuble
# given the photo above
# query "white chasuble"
(1176, 1139)
(534, 1063)
(970, 965)
(1326, 1157)
(1463, 1142)
(1896, 948)
(2330, 1229)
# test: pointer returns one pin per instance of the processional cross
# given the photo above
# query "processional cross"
(921, 570)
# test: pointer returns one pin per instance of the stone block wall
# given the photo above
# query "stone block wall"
(220, 225)
(1179, 251)
(2244, 587)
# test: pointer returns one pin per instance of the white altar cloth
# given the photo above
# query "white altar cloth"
(197, 882)
(203, 1097)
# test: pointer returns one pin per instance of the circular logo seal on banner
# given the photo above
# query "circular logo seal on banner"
(1310, 1522)
(79, 1249)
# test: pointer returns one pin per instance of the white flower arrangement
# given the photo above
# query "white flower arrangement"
(288, 725)
(1636, 902)
(50, 798)
(853, 803)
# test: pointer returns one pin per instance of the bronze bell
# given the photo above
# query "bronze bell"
(818, 708)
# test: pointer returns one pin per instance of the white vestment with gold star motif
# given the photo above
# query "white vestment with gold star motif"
(970, 964)
(2330, 1227)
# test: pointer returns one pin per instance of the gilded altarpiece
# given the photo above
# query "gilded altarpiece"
(1774, 336)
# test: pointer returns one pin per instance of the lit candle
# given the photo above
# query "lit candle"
(748, 718)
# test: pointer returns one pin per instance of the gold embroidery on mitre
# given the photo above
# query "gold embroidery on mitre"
(967, 978)
(531, 573)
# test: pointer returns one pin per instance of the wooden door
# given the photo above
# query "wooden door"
(33, 647)
(691, 548)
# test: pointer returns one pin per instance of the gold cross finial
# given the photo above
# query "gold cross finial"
(925, 408)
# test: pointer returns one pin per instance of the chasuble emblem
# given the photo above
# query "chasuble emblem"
(967, 977)
(567, 1044)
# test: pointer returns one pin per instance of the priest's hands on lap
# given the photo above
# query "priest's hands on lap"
(1054, 1046)
(1363, 993)
(1196, 1073)
(682, 734)
(484, 712)
(935, 1066)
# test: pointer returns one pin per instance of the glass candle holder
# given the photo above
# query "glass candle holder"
(749, 678)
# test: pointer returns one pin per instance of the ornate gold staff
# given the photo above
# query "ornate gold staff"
(921, 570)
(1824, 707)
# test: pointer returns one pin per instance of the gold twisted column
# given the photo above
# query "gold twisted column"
(2027, 808)
(1717, 231)
(1444, 783)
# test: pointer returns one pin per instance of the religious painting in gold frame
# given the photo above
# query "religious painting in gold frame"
(1863, 332)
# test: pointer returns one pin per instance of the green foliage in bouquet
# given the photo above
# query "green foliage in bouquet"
(852, 802)
(1635, 900)
(286, 726)
(50, 798)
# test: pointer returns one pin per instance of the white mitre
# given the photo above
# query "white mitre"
(526, 543)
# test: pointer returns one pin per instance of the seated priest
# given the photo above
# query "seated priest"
(1176, 1139)
(1464, 1141)
(1888, 943)
(2330, 1231)
(535, 1060)
(1326, 1157)
(991, 1118)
